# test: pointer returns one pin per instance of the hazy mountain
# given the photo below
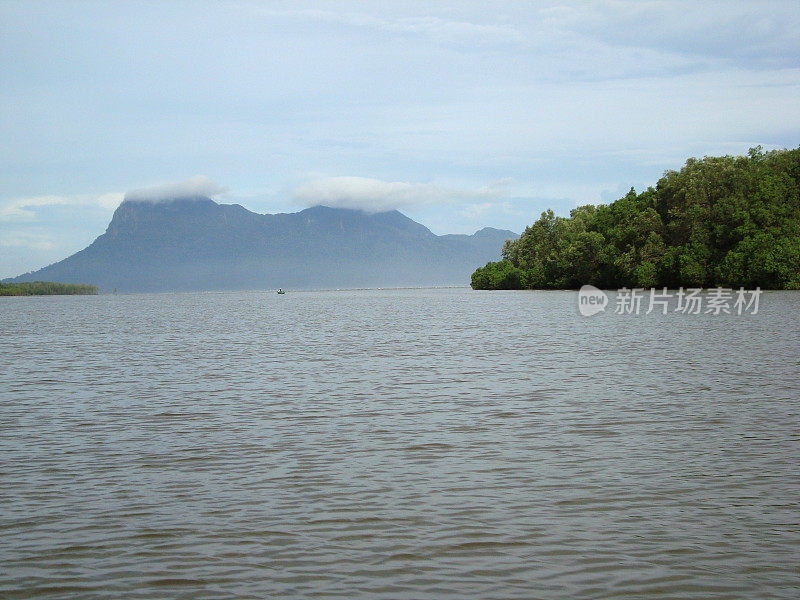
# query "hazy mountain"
(197, 244)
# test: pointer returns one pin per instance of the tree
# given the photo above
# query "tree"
(718, 221)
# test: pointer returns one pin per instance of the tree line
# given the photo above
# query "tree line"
(46, 288)
(719, 221)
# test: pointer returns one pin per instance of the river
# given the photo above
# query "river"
(425, 443)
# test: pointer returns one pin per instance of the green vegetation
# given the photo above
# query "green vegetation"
(729, 221)
(46, 288)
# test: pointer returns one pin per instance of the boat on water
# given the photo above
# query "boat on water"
(281, 291)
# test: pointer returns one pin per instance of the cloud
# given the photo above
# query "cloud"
(193, 187)
(374, 195)
(20, 209)
(448, 30)
(737, 33)
(24, 209)
(476, 211)
(24, 239)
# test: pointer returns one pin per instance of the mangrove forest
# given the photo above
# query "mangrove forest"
(46, 288)
(719, 221)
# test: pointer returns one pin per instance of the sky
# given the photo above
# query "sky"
(459, 114)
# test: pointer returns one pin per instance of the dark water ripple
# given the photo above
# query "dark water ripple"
(396, 444)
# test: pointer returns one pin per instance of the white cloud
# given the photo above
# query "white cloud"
(477, 210)
(481, 210)
(199, 185)
(449, 30)
(23, 239)
(736, 32)
(24, 209)
(109, 201)
(20, 209)
(374, 195)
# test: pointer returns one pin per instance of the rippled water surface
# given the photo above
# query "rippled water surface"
(396, 444)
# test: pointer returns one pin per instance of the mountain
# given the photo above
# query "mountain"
(196, 244)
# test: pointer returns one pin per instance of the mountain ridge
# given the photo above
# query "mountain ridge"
(194, 243)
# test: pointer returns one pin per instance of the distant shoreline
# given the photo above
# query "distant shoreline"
(47, 288)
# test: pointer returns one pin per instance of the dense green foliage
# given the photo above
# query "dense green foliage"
(730, 221)
(46, 288)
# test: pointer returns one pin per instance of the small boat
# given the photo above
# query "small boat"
(280, 291)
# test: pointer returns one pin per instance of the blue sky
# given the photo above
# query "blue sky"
(460, 114)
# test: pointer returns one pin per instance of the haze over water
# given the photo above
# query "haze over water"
(396, 443)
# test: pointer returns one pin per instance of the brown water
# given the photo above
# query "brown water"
(396, 444)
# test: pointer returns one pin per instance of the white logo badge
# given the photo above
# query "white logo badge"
(591, 300)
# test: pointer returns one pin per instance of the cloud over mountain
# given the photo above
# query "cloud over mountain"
(374, 195)
(160, 246)
(200, 185)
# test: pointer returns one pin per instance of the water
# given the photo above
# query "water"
(396, 444)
